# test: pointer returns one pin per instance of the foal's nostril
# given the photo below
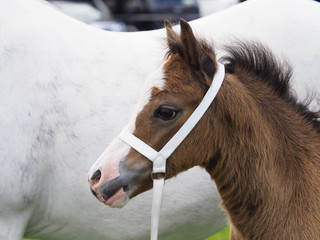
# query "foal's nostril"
(96, 176)
(94, 180)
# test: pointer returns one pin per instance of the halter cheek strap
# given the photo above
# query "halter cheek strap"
(159, 158)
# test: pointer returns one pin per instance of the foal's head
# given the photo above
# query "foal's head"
(170, 96)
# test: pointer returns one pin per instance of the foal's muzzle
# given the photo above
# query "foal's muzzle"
(112, 187)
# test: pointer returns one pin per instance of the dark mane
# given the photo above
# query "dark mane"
(252, 57)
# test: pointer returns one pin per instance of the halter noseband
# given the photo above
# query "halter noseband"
(159, 158)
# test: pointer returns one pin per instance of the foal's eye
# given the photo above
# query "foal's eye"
(165, 113)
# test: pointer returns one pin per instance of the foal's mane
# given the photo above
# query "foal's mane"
(253, 58)
(245, 59)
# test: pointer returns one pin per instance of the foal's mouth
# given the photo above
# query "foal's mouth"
(114, 193)
(111, 187)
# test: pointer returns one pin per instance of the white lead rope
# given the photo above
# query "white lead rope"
(159, 158)
(157, 191)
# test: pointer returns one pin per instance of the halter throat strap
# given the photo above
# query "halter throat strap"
(159, 158)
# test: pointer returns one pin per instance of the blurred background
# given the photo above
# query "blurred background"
(138, 15)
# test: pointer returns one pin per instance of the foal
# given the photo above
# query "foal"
(258, 144)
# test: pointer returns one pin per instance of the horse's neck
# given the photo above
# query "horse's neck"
(266, 160)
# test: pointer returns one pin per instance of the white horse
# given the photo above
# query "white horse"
(65, 89)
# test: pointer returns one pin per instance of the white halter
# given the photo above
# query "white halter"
(159, 158)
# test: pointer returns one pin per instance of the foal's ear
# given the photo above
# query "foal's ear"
(189, 44)
(172, 38)
(194, 53)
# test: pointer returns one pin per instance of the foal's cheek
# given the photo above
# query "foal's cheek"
(137, 169)
(142, 187)
(136, 164)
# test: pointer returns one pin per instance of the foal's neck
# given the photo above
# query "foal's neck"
(265, 163)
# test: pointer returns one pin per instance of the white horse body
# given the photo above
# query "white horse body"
(65, 92)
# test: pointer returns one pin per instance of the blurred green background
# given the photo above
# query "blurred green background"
(222, 235)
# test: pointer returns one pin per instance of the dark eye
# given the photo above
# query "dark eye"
(165, 113)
